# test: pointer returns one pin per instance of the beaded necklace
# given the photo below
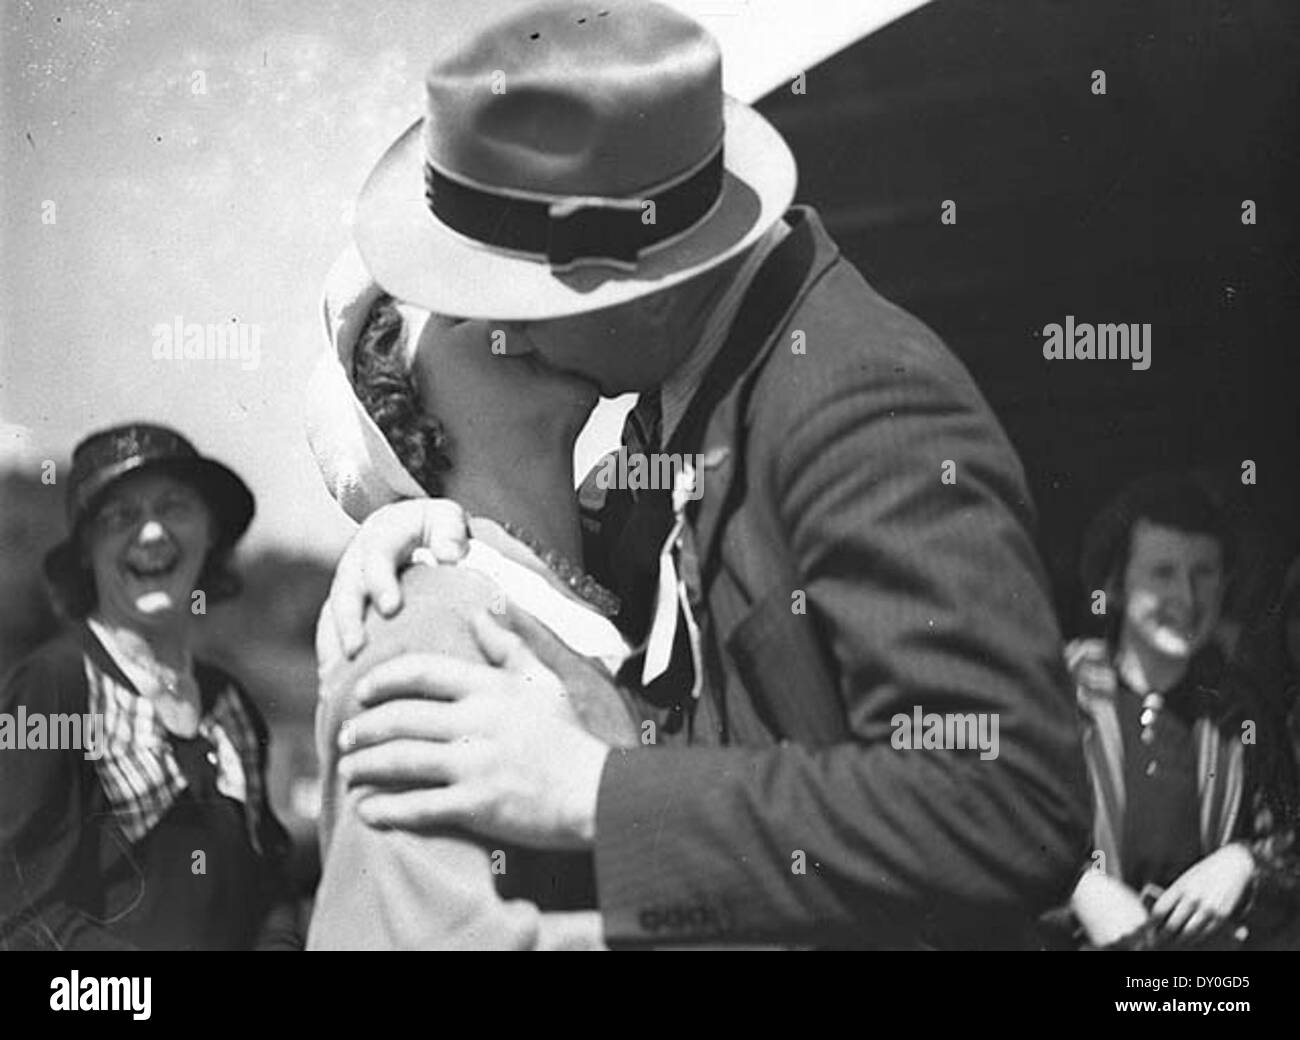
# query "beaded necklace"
(574, 577)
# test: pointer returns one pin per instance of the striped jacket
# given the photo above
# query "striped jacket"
(1245, 774)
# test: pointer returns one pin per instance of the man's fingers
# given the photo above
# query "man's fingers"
(402, 719)
(346, 604)
(402, 763)
(437, 676)
(368, 570)
(508, 652)
(445, 529)
(437, 525)
(383, 554)
(416, 810)
(538, 637)
(500, 646)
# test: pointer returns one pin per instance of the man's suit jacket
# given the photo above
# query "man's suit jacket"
(793, 818)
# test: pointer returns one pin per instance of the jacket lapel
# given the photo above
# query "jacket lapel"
(1103, 749)
(805, 254)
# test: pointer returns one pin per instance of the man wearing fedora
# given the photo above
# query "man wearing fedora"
(852, 550)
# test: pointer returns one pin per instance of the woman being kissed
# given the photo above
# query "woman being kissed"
(495, 432)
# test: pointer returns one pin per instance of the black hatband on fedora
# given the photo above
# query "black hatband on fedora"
(565, 231)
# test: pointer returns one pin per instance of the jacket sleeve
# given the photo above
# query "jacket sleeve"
(905, 511)
(43, 804)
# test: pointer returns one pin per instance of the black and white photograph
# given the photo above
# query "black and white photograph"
(664, 475)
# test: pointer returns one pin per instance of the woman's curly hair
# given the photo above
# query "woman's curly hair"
(389, 394)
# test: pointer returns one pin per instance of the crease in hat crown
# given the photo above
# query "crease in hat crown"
(566, 99)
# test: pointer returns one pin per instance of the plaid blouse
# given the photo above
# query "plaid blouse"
(139, 770)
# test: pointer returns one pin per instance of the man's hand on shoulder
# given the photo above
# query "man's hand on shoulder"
(367, 572)
(495, 748)
(597, 701)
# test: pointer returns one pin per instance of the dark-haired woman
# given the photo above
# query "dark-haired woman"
(1194, 790)
(153, 831)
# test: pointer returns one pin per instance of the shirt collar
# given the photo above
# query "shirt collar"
(141, 679)
(682, 383)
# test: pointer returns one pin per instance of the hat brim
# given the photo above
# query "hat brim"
(419, 260)
(227, 496)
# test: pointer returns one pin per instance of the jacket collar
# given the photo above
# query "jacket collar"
(725, 433)
(101, 658)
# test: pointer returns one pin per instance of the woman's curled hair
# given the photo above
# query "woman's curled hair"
(389, 395)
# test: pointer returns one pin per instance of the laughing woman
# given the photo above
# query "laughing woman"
(155, 832)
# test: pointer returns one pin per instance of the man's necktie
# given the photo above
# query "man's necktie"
(624, 531)
(636, 562)
(643, 428)
(634, 523)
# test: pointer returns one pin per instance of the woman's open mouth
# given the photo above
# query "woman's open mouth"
(1181, 625)
(152, 569)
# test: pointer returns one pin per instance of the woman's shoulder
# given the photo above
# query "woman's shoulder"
(436, 580)
(220, 689)
(49, 678)
(438, 601)
(437, 594)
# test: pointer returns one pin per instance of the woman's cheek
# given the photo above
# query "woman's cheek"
(103, 554)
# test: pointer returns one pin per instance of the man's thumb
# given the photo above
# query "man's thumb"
(501, 647)
(549, 649)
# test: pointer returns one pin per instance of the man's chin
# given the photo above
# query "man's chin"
(593, 385)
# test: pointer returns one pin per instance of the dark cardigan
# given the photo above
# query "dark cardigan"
(70, 880)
